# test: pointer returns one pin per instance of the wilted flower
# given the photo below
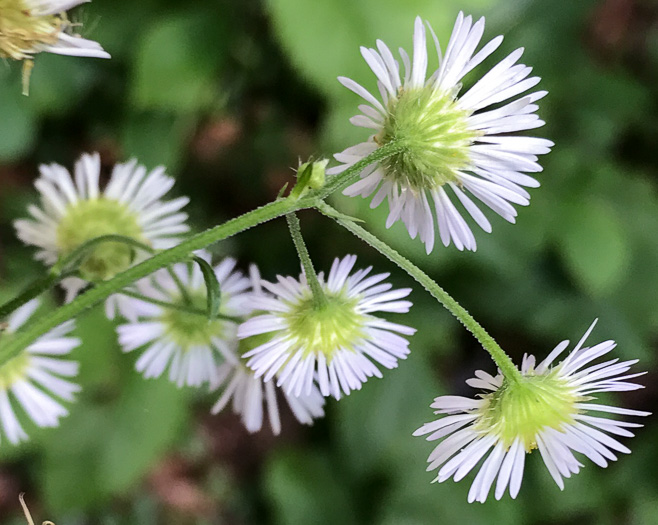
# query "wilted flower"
(548, 409)
(449, 143)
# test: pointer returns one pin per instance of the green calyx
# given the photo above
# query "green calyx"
(88, 219)
(522, 409)
(435, 134)
(327, 328)
(21, 33)
(188, 329)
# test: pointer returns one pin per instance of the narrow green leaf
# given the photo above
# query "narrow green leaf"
(213, 293)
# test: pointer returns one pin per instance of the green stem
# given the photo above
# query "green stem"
(506, 365)
(179, 284)
(180, 252)
(33, 290)
(79, 253)
(173, 306)
(319, 299)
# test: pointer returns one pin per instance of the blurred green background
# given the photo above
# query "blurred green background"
(228, 95)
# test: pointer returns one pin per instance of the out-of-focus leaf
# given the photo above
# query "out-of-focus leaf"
(176, 64)
(593, 244)
(156, 139)
(308, 29)
(18, 127)
(146, 421)
(307, 487)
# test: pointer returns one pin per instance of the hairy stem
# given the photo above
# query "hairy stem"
(319, 299)
(507, 367)
(180, 252)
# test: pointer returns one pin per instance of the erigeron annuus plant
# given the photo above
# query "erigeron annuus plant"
(315, 336)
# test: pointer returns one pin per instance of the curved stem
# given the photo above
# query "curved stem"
(319, 299)
(506, 365)
(180, 252)
(173, 306)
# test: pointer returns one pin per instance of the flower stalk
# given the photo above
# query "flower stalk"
(178, 253)
(507, 367)
(319, 298)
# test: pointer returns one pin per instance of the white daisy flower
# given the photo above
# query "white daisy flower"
(35, 378)
(75, 210)
(188, 344)
(249, 392)
(550, 410)
(451, 143)
(33, 26)
(335, 344)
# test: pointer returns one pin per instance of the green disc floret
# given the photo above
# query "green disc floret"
(189, 329)
(327, 328)
(21, 33)
(436, 135)
(15, 369)
(521, 410)
(88, 219)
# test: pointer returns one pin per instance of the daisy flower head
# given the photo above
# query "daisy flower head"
(28, 27)
(249, 393)
(74, 210)
(36, 380)
(335, 343)
(451, 145)
(186, 342)
(549, 409)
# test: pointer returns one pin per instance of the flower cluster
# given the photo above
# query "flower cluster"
(306, 338)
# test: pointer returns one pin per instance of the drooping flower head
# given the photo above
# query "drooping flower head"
(35, 379)
(187, 343)
(249, 393)
(335, 344)
(550, 409)
(75, 210)
(450, 143)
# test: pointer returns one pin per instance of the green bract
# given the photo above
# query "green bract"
(188, 329)
(435, 134)
(522, 409)
(325, 329)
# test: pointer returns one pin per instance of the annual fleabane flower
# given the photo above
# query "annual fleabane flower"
(549, 409)
(187, 343)
(75, 210)
(249, 394)
(36, 379)
(451, 144)
(334, 343)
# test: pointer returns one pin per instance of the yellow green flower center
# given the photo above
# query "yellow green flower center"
(16, 368)
(522, 410)
(188, 330)
(326, 329)
(435, 134)
(88, 219)
(21, 32)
